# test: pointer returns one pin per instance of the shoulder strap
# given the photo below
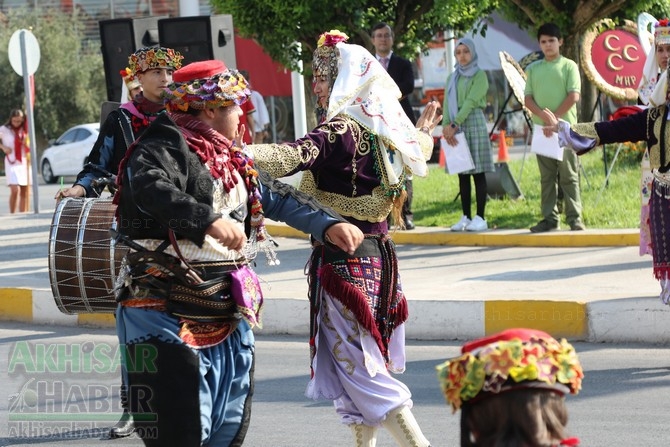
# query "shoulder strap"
(126, 128)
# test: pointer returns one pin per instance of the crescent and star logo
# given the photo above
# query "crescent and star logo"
(618, 57)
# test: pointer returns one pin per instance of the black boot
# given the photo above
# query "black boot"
(125, 426)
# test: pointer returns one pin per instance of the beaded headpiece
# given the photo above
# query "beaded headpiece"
(511, 359)
(662, 32)
(154, 57)
(206, 85)
(131, 81)
(324, 61)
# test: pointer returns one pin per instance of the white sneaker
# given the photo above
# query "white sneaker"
(461, 225)
(477, 224)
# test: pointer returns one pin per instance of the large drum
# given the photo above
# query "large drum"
(83, 259)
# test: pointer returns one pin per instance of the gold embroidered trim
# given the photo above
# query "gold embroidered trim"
(280, 159)
(654, 120)
(372, 208)
(587, 130)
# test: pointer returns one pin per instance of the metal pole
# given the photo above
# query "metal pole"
(273, 119)
(188, 8)
(31, 122)
(299, 114)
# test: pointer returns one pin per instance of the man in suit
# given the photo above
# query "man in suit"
(400, 69)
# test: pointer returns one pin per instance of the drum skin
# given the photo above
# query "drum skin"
(83, 259)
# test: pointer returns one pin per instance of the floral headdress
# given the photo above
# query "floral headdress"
(154, 57)
(325, 55)
(512, 359)
(662, 32)
(206, 85)
(129, 79)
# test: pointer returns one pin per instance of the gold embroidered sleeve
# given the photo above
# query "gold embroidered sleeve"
(280, 160)
(426, 142)
(587, 130)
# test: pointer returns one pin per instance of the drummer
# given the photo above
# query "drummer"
(152, 67)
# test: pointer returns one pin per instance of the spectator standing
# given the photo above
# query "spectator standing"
(400, 70)
(553, 83)
(464, 104)
(262, 117)
(511, 387)
(247, 122)
(14, 138)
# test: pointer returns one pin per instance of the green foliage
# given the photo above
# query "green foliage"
(69, 82)
(279, 25)
(616, 205)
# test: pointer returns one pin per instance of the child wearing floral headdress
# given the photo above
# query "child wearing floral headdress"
(511, 387)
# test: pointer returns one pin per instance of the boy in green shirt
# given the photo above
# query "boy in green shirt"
(553, 83)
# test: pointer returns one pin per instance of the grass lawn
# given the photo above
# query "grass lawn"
(616, 205)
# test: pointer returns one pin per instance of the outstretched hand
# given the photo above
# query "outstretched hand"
(429, 117)
(345, 236)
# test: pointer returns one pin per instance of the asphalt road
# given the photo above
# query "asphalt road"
(623, 401)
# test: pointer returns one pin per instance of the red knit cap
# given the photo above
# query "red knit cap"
(522, 334)
(199, 70)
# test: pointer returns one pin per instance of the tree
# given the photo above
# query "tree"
(69, 82)
(279, 25)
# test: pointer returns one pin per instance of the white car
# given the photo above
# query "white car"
(67, 155)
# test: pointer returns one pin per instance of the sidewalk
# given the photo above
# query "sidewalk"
(589, 285)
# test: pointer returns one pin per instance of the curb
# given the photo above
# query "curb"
(621, 320)
(495, 238)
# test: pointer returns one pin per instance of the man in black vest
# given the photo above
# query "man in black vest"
(400, 69)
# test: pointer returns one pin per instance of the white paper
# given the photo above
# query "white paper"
(457, 158)
(542, 145)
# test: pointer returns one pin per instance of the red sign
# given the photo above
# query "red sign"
(267, 76)
(618, 57)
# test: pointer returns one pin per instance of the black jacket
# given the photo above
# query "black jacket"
(400, 69)
(166, 186)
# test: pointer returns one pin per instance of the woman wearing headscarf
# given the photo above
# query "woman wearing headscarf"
(463, 108)
(355, 161)
(14, 139)
(654, 67)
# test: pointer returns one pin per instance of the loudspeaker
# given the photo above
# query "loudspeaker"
(200, 38)
(502, 182)
(119, 39)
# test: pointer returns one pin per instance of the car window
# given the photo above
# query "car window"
(82, 134)
(68, 137)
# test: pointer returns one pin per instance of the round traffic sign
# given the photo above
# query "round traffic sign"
(32, 52)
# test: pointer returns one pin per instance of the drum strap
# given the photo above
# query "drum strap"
(126, 129)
